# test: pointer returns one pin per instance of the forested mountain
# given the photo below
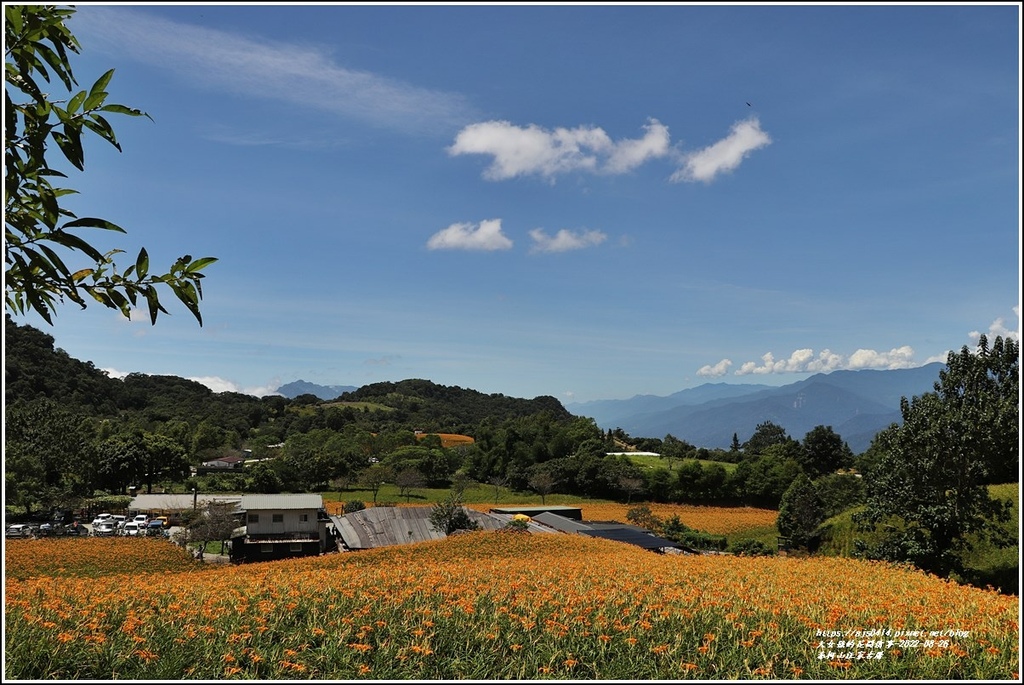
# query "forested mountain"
(72, 432)
(857, 404)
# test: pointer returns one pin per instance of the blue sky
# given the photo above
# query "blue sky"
(588, 202)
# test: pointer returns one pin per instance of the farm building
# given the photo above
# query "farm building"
(281, 526)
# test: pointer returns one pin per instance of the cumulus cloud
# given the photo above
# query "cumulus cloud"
(725, 155)
(486, 237)
(524, 151)
(998, 329)
(715, 371)
(214, 383)
(897, 358)
(218, 384)
(806, 361)
(565, 240)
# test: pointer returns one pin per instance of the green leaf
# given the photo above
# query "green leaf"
(142, 263)
(76, 102)
(97, 94)
(90, 222)
(121, 109)
(200, 264)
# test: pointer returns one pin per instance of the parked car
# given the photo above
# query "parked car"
(164, 520)
(101, 518)
(50, 529)
(20, 530)
(131, 528)
(155, 527)
(141, 519)
(106, 529)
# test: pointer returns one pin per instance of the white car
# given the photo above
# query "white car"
(141, 519)
(105, 529)
(102, 518)
(132, 528)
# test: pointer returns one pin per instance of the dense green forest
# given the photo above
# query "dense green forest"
(74, 433)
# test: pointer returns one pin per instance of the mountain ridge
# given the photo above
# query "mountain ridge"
(857, 404)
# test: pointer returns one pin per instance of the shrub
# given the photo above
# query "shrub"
(751, 548)
(353, 506)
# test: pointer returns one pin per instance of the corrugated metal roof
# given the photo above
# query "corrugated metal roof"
(633, 537)
(569, 512)
(385, 526)
(296, 501)
(561, 523)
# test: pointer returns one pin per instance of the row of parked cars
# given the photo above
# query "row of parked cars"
(43, 530)
(109, 525)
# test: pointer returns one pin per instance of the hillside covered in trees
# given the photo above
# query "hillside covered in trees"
(74, 432)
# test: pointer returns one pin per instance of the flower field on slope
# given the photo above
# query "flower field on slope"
(496, 605)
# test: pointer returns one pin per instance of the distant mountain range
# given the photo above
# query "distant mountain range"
(324, 392)
(856, 404)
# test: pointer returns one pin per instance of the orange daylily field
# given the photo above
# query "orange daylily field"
(490, 605)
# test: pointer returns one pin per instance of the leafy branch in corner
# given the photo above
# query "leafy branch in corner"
(41, 234)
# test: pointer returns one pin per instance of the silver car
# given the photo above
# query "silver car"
(106, 529)
(20, 530)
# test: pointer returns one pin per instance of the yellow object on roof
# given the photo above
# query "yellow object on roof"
(520, 517)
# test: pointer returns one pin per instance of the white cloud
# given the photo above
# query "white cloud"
(725, 155)
(715, 371)
(565, 240)
(629, 154)
(897, 358)
(218, 384)
(523, 151)
(998, 329)
(299, 74)
(805, 361)
(487, 236)
(214, 383)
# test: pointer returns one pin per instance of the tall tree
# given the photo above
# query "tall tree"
(824, 452)
(929, 485)
(47, 261)
(801, 511)
(766, 434)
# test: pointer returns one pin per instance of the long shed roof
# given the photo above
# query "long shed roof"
(169, 502)
(385, 526)
(296, 501)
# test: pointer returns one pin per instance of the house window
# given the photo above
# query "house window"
(266, 548)
(295, 547)
(278, 518)
(303, 517)
(254, 518)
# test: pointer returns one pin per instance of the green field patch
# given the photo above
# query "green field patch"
(647, 461)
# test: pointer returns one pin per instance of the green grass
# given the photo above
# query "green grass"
(646, 461)
(474, 494)
(360, 406)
